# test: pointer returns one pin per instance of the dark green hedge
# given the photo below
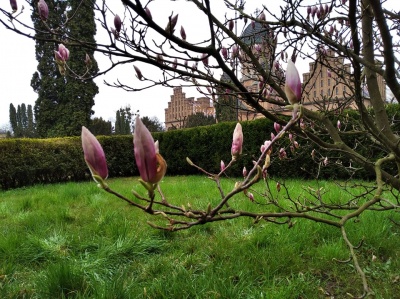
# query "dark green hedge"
(30, 161)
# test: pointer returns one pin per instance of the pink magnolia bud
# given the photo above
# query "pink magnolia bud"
(237, 141)
(292, 84)
(266, 147)
(148, 12)
(291, 137)
(302, 124)
(308, 10)
(272, 136)
(183, 33)
(244, 172)
(138, 72)
(291, 149)
(282, 153)
(204, 58)
(14, 5)
(222, 165)
(94, 155)
(338, 125)
(151, 165)
(325, 161)
(224, 53)
(262, 16)
(277, 127)
(231, 25)
(278, 186)
(62, 54)
(313, 154)
(88, 61)
(117, 23)
(171, 24)
(296, 144)
(251, 196)
(43, 10)
(175, 63)
(235, 51)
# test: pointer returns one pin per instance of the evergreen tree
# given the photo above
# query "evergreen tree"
(123, 121)
(13, 120)
(21, 121)
(64, 103)
(99, 126)
(199, 119)
(31, 124)
(152, 124)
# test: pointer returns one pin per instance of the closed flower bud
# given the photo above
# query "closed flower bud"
(88, 61)
(94, 155)
(235, 52)
(62, 55)
(204, 58)
(148, 12)
(14, 5)
(222, 165)
(282, 154)
(325, 161)
(251, 196)
(277, 127)
(231, 25)
(244, 172)
(292, 84)
(150, 163)
(171, 24)
(117, 23)
(278, 186)
(338, 125)
(224, 53)
(183, 33)
(138, 72)
(43, 10)
(266, 147)
(237, 141)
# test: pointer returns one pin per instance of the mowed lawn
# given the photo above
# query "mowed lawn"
(74, 240)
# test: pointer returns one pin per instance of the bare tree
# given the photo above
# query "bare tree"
(360, 34)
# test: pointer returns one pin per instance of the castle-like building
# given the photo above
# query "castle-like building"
(180, 108)
(327, 85)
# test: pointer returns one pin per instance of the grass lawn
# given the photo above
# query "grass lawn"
(76, 241)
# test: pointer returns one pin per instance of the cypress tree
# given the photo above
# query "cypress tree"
(64, 103)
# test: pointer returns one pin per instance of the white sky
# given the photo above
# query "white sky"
(18, 63)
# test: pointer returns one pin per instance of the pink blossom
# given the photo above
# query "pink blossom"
(43, 10)
(14, 5)
(237, 141)
(224, 53)
(150, 163)
(277, 127)
(222, 165)
(94, 155)
(62, 54)
(292, 84)
(183, 33)
(244, 171)
(117, 23)
(138, 72)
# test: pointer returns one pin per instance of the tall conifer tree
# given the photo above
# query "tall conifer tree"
(64, 103)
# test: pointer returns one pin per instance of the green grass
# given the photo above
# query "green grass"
(76, 241)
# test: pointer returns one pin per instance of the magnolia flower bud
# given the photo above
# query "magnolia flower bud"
(282, 153)
(292, 84)
(150, 163)
(204, 58)
(117, 23)
(171, 24)
(277, 127)
(262, 16)
(14, 5)
(224, 53)
(237, 141)
(272, 136)
(183, 33)
(244, 172)
(235, 51)
(148, 12)
(138, 72)
(251, 196)
(222, 165)
(175, 63)
(94, 155)
(88, 61)
(43, 10)
(265, 146)
(338, 125)
(62, 54)
(325, 161)
(231, 25)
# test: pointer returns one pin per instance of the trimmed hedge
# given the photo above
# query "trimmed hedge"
(31, 161)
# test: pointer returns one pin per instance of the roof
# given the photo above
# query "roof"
(256, 35)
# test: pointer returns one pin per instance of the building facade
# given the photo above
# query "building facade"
(180, 108)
